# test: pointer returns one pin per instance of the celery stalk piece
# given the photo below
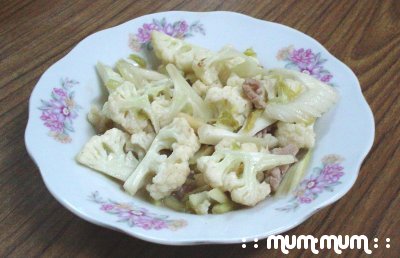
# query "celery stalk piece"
(110, 78)
(294, 175)
(222, 208)
(172, 203)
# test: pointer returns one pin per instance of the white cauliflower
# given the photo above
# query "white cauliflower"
(230, 106)
(200, 88)
(140, 143)
(106, 154)
(131, 111)
(236, 172)
(99, 120)
(170, 172)
(161, 108)
(184, 99)
(301, 98)
(140, 77)
(217, 68)
(177, 51)
(299, 134)
(200, 202)
(111, 79)
(234, 80)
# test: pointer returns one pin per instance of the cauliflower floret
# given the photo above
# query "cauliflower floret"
(177, 51)
(235, 81)
(138, 76)
(236, 172)
(131, 111)
(184, 99)
(170, 172)
(98, 119)
(217, 68)
(299, 134)
(140, 143)
(200, 202)
(111, 79)
(301, 98)
(161, 107)
(231, 107)
(200, 88)
(106, 154)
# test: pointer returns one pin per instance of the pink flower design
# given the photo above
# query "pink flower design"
(306, 61)
(305, 199)
(326, 78)
(144, 33)
(53, 121)
(322, 179)
(60, 92)
(332, 173)
(301, 56)
(125, 214)
(149, 223)
(314, 185)
(168, 29)
(107, 207)
(310, 69)
(178, 29)
(135, 216)
(58, 113)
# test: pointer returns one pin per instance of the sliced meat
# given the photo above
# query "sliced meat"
(254, 92)
(289, 149)
(275, 175)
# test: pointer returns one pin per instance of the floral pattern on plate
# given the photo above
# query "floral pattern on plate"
(59, 112)
(178, 29)
(322, 179)
(306, 61)
(135, 216)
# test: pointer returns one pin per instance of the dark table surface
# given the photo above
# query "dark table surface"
(34, 34)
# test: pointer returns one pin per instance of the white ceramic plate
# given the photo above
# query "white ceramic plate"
(57, 129)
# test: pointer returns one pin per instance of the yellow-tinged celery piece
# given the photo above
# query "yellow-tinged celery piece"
(251, 120)
(110, 78)
(294, 175)
(222, 208)
(205, 150)
(250, 52)
(215, 199)
(173, 203)
(218, 195)
(194, 122)
(285, 92)
(139, 60)
(226, 118)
